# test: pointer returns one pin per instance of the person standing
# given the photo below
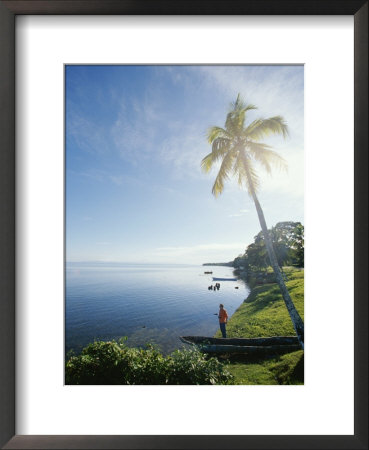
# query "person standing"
(223, 317)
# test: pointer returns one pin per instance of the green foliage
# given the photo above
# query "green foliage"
(114, 363)
(297, 245)
(193, 367)
(288, 243)
(240, 261)
(256, 254)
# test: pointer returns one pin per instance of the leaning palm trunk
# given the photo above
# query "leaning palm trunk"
(237, 146)
(297, 322)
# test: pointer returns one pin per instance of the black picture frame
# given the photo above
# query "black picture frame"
(8, 11)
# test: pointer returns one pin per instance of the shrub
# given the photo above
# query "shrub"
(115, 363)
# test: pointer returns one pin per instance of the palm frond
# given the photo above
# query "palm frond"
(245, 181)
(255, 183)
(237, 147)
(241, 105)
(220, 148)
(240, 172)
(223, 173)
(236, 116)
(207, 163)
(264, 127)
(216, 132)
(232, 123)
(265, 156)
(233, 106)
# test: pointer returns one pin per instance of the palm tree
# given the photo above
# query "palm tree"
(237, 146)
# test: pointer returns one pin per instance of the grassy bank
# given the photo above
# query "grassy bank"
(264, 314)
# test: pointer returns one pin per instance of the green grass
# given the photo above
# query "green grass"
(285, 369)
(251, 373)
(264, 314)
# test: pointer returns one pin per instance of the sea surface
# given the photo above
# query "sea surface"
(145, 303)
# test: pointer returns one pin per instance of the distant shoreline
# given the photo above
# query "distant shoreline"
(115, 263)
(226, 264)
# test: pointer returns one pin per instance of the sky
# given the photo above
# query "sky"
(135, 138)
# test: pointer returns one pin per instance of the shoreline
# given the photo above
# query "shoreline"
(241, 275)
(262, 286)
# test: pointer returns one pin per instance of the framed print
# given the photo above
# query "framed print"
(155, 303)
(69, 76)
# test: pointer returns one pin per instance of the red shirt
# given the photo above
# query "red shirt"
(223, 316)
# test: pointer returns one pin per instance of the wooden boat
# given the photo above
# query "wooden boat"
(250, 346)
(224, 279)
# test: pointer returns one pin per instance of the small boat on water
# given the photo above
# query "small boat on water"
(250, 346)
(224, 279)
(208, 272)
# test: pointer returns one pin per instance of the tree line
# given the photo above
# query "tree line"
(288, 243)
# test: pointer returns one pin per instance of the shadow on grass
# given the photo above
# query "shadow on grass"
(287, 369)
(298, 372)
(287, 373)
(263, 297)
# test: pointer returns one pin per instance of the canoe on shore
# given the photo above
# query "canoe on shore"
(251, 346)
(224, 279)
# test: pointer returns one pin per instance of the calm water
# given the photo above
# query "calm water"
(146, 303)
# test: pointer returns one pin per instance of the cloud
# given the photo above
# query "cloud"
(200, 253)
(92, 174)
(137, 126)
(132, 139)
(275, 90)
(290, 182)
(148, 131)
(88, 135)
(103, 176)
(201, 247)
(183, 152)
(241, 213)
(117, 179)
